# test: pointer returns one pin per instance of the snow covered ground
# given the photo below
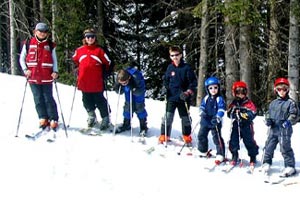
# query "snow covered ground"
(117, 167)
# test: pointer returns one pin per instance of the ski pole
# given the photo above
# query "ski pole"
(130, 104)
(166, 129)
(107, 105)
(116, 120)
(71, 111)
(21, 110)
(266, 143)
(61, 112)
(219, 139)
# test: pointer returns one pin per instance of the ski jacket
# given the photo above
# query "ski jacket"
(244, 106)
(92, 61)
(136, 84)
(39, 61)
(282, 109)
(212, 106)
(179, 79)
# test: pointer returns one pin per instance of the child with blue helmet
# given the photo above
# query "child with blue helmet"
(212, 110)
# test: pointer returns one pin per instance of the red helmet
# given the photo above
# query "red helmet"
(281, 81)
(239, 84)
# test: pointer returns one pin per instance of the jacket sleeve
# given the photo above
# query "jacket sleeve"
(221, 107)
(293, 112)
(138, 84)
(191, 76)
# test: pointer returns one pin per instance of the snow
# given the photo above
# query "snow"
(117, 167)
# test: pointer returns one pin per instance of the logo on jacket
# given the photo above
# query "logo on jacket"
(172, 73)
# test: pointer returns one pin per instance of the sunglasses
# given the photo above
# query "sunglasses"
(281, 89)
(241, 91)
(90, 36)
(211, 88)
(175, 55)
(43, 31)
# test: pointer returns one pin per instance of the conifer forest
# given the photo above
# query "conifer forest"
(255, 41)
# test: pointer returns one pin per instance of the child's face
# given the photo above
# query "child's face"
(240, 92)
(282, 90)
(213, 89)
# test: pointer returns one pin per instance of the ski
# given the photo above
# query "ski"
(142, 138)
(91, 131)
(36, 135)
(216, 165)
(52, 136)
(229, 167)
(208, 154)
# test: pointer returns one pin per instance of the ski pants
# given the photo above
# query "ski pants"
(283, 137)
(93, 100)
(169, 116)
(45, 104)
(216, 136)
(243, 131)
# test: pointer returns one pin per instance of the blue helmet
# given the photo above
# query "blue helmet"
(211, 81)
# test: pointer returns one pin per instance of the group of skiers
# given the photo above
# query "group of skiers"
(39, 63)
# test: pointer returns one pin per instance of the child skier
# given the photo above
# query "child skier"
(212, 110)
(282, 114)
(242, 111)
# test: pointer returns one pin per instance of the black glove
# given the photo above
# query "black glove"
(186, 95)
(215, 121)
(269, 122)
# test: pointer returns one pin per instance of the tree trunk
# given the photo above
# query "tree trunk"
(232, 73)
(100, 22)
(273, 54)
(13, 61)
(203, 53)
(293, 59)
(245, 57)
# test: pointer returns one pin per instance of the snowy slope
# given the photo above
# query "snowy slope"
(117, 167)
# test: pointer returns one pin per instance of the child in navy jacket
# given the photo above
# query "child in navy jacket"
(212, 110)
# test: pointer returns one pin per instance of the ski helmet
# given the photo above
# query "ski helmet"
(239, 84)
(279, 81)
(211, 81)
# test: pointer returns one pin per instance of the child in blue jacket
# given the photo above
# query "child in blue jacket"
(212, 110)
(132, 82)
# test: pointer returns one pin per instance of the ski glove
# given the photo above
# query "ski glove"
(186, 95)
(269, 122)
(286, 124)
(215, 121)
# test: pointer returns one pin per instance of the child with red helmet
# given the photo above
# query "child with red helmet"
(242, 111)
(282, 114)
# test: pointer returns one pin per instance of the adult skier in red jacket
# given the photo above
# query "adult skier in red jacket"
(92, 62)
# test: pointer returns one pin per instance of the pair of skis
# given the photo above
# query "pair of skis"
(36, 135)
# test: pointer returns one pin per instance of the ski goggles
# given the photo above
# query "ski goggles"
(284, 89)
(240, 91)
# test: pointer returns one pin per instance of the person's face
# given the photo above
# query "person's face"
(281, 91)
(175, 56)
(213, 89)
(124, 83)
(41, 34)
(90, 39)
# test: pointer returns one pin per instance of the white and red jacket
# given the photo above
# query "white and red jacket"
(91, 60)
(39, 61)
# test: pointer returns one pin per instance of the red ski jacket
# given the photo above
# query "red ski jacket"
(91, 61)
